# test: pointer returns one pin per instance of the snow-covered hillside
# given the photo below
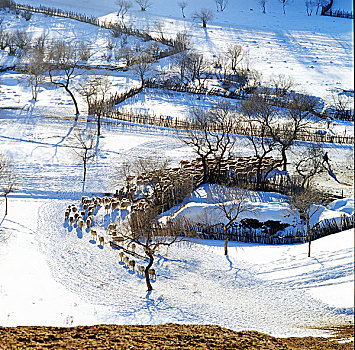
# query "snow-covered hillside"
(50, 276)
(316, 51)
(54, 275)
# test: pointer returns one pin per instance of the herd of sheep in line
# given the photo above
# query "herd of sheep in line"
(73, 216)
(168, 186)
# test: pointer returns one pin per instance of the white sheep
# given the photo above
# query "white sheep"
(101, 240)
(88, 222)
(141, 269)
(133, 247)
(126, 260)
(84, 199)
(152, 274)
(131, 264)
(111, 227)
(121, 255)
(107, 208)
(80, 222)
(93, 234)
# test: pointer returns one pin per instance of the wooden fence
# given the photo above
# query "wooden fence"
(338, 13)
(240, 129)
(122, 27)
(326, 228)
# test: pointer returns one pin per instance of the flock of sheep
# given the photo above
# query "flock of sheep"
(84, 217)
(156, 189)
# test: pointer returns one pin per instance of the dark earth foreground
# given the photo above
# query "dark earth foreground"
(168, 336)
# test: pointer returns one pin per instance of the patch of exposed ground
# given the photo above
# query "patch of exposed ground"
(168, 336)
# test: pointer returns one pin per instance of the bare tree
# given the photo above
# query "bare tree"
(282, 84)
(144, 4)
(236, 55)
(285, 130)
(128, 54)
(229, 68)
(151, 163)
(258, 115)
(221, 5)
(143, 229)
(88, 90)
(94, 89)
(123, 7)
(309, 6)
(320, 3)
(182, 5)
(310, 164)
(21, 39)
(35, 68)
(308, 203)
(84, 147)
(63, 60)
(230, 202)
(340, 103)
(203, 15)
(142, 67)
(207, 142)
(189, 66)
(99, 105)
(8, 177)
(197, 67)
(180, 67)
(182, 42)
(263, 5)
(284, 3)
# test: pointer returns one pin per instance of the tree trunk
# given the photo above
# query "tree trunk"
(203, 23)
(309, 246)
(205, 170)
(147, 279)
(258, 176)
(226, 240)
(84, 169)
(5, 204)
(284, 159)
(99, 124)
(74, 100)
(309, 238)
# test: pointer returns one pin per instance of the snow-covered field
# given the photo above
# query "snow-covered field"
(50, 275)
(70, 280)
(316, 51)
(55, 277)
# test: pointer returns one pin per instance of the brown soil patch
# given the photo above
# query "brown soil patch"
(168, 336)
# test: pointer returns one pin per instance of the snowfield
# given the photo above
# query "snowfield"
(54, 275)
(70, 280)
(316, 51)
(273, 289)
